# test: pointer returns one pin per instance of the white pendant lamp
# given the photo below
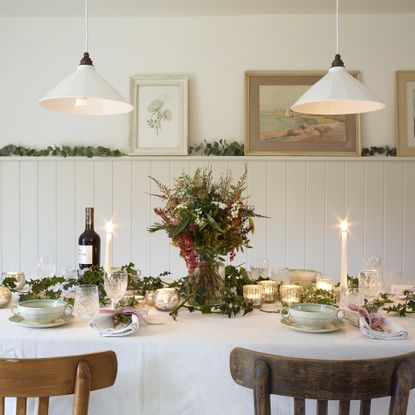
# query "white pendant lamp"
(337, 92)
(85, 92)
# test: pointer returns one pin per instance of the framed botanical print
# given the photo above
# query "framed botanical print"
(159, 120)
(405, 99)
(272, 128)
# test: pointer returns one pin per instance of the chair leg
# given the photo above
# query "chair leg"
(261, 388)
(402, 387)
(82, 389)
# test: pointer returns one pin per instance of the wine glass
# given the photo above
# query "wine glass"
(259, 268)
(115, 284)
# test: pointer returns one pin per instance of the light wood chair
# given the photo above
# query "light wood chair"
(324, 380)
(43, 378)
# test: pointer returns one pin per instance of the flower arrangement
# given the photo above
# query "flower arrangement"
(206, 219)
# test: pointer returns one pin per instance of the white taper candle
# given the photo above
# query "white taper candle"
(343, 260)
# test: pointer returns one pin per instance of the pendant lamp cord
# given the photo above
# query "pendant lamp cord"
(86, 25)
(337, 26)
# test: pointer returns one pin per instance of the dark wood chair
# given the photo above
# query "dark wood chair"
(324, 380)
(43, 378)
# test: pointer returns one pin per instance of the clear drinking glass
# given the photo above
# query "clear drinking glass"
(259, 268)
(46, 267)
(115, 284)
(370, 278)
(86, 302)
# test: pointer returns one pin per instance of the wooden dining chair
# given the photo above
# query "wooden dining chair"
(43, 378)
(324, 380)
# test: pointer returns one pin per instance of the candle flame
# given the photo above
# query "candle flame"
(343, 225)
(109, 227)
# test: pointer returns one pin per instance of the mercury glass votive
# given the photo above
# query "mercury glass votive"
(165, 299)
(18, 276)
(290, 294)
(5, 296)
(150, 298)
(325, 284)
(270, 292)
(254, 294)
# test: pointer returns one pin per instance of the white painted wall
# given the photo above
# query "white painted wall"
(42, 210)
(36, 53)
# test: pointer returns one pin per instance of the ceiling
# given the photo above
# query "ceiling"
(165, 8)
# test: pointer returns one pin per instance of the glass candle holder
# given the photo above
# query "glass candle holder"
(149, 297)
(326, 284)
(254, 293)
(18, 276)
(270, 292)
(290, 294)
(133, 297)
(166, 299)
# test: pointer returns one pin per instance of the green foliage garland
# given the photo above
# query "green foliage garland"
(383, 151)
(57, 151)
(218, 148)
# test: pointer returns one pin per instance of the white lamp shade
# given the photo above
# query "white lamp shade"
(85, 92)
(337, 92)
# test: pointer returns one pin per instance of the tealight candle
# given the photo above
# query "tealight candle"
(325, 284)
(165, 299)
(270, 292)
(253, 293)
(290, 294)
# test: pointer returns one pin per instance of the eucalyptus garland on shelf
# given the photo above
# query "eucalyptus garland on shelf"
(218, 148)
(59, 151)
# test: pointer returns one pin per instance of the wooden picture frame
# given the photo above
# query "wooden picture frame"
(405, 112)
(273, 129)
(159, 122)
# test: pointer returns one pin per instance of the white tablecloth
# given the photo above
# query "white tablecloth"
(182, 367)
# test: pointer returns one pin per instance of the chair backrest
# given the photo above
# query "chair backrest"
(78, 375)
(324, 380)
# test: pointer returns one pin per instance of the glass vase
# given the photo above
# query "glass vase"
(208, 282)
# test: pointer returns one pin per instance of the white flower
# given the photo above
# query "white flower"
(220, 205)
(235, 210)
(181, 206)
(155, 105)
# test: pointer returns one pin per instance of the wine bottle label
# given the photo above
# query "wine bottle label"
(85, 254)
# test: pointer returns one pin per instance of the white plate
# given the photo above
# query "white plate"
(336, 325)
(20, 321)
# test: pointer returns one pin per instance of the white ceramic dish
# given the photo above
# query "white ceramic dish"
(302, 275)
(41, 311)
(334, 326)
(313, 316)
(20, 321)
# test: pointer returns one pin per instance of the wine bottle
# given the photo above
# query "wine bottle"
(89, 244)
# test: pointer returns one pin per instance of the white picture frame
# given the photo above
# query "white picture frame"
(159, 121)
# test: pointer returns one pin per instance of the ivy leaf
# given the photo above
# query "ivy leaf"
(214, 224)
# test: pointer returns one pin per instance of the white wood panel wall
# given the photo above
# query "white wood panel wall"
(43, 200)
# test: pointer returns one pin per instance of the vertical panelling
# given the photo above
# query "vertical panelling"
(237, 169)
(355, 201)
(177, 264)
(296, 208)
(276, 221)
(103, 197)
(28, 217)
(335, 212)
(65, 215)
(257, 189)
(315, 214)
(159, 242)
(409, 222)
(10, 196)
(393, 214)
(374, 220)
(84, 195)
(1, 217)
(46, 193)
(122, 212)
(140, 215)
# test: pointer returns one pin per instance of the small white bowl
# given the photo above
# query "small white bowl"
(313, 316)
(302, 275)
(41, 311)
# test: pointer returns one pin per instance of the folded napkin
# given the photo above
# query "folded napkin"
(389, 329)
(104, 324)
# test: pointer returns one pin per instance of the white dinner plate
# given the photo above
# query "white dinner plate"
(336, 325)
(20, 321)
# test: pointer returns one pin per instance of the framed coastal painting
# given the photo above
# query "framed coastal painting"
(159, 120)
(405, 97)
(273, 129)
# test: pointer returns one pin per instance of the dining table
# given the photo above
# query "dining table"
(181, 367)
